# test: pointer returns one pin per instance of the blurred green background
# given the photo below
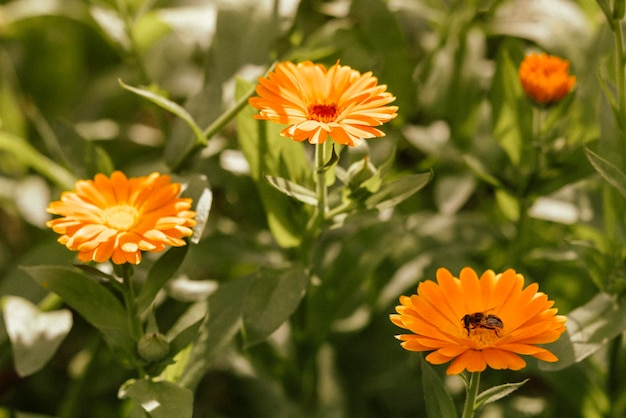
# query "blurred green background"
(452, 64)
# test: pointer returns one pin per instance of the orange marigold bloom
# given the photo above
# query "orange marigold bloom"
(117, 218)
(545, 78)
(478, 322)
(316, 102)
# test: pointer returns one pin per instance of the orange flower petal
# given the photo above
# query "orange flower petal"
(117, 218)
(545, 78)
(317, 102)
(521, 317)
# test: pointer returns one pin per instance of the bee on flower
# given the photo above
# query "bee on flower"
(474, 322)
(545, 78)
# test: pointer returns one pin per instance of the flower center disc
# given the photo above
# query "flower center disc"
(121, 217)
(323, 112)
(484, 336)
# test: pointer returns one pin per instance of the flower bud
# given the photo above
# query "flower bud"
(153, 347)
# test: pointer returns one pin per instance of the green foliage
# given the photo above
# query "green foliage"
(276, 305)
(94, 303)
(34, 335)
(439, 403)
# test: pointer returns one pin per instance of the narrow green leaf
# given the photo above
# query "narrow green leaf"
(224, 321)
(480, 170)
(589, 328)
(34, 335)
(497, 392)
(608, 171)
(93, 302)
(160, 273)
(22, 151)
(395, 191)
(292, 189)
(439, 403)
(273, 297)
(170, 106)
(159, 399)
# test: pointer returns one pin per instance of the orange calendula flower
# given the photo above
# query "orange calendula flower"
(545, 78)
(118, 217)
(317, 102)
(478, 322)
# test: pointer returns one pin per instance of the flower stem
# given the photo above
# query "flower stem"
(619, 65)
(471, 393)
(321, 188)
(134, 322)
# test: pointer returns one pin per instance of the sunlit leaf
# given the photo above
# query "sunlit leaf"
(292, 189)
(203, 203)
(170, 106)
(393, 192)
(159, 399)
(497, 392)
(35, 335)
(589, 328)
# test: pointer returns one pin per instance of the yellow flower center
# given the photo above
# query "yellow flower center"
(323, 112)
(484, 337)
(121, 217)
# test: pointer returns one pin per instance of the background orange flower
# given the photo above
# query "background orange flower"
(512, 320)
(545, 78)
(316, 102)
(116, 218)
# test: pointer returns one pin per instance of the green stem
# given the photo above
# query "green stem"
(321, 188)
(619, 65)
(134, 322)
(215, 127)
(471, 394)
(619, 75)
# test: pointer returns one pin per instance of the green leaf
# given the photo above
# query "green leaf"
(186, 327)
(512, 114)
(269, 153)
(160, 273)
(273, 297)
(508, 204)
(34, 335)
(479, 169)
(198, 189)
(393, 192)
(93, 302)
(226, 307)
(439, 403)
(608, 171)
(159, 399)
(170, 106)
(292, 189)
(589, 328)
(497, 392)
